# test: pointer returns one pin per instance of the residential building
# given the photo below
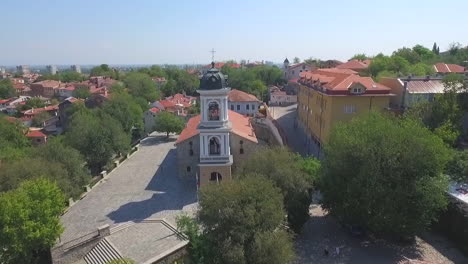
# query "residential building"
(215, 140)
(177, 104)
(243, 103)
(52, 69)
(37, 137)
(149, 119)
(66, 91)
(76, 68)
(355, 65)
(23, 69)
(292, 72)
(411, 90)
(281, 97)
(443, 69)
(46, 88)
(51, 109)
(329, 96)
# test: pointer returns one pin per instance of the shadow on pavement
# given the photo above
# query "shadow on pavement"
(156, 140)
(170, 193)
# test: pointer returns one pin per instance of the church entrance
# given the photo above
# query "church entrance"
(216, 177)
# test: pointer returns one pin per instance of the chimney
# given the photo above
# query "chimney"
(104, 230)
(428, 78)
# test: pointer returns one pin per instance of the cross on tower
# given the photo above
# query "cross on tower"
(212, 51)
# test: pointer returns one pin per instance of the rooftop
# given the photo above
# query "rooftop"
(240, 126)
(241, 96)
(35, 133)
(449, 68)
(355, 65)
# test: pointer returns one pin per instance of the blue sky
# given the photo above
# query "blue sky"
(183, 31)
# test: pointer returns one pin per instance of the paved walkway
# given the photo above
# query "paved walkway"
(144, 186)
(296, 138)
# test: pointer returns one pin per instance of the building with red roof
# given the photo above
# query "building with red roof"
(327, 96)
(213, 142)
(444, 68)
(46, 88)
(243, 103)
(37, 137)
(355, 65)
(291, 72)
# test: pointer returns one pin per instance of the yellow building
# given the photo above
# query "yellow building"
(328, 96)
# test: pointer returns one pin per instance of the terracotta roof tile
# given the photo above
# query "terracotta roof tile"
(35, 133)
(240, 126)
(240, 96)
(446, 68)
(355, 65)
(154, 110)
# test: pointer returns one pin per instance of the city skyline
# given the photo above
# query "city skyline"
(183, 32)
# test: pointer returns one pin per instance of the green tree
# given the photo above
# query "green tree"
(39, 119)
(457, 168)
(241, 219)
(384, 174)
(141, 85)
(34, 102)
(168, 123)
(378, 64)
(169, 88)
(420, 69)
(97, 136)
(425, 53)
(435, 49)
(288, 172)
(187, 83)
(399, 64)
(121, 261)
(359, 56)
(30, 221)
(13, 142)
(259, 89)
(296, 60)
(81, 91)
(126, 110)
(71, 76)
(448, 133)
(6, 89)
(410, 55)
(103, 70)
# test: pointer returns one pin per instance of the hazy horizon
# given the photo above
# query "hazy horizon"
(182, 32)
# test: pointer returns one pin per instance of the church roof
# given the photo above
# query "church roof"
(241, 96)
(213, 80)
(240, 126)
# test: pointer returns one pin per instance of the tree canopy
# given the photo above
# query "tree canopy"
(293, 175)
(457, 168)
(384, 174)
(13, 143)
(6, 89)
(30, 221)
(104, 70)
(240, 222)
(167, 122)
(141, 85)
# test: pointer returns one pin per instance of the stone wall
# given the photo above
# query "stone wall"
(186, 159)
(205, 173)
(248, 146)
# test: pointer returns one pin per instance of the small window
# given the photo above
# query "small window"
(253, 107)
(238, 107)
(247, 107)
(232, 107)
(190, 143)
(241, 142)
(189, 168)
(241, 151)
(191, 152)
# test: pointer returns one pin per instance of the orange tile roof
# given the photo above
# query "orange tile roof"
(154, 110)
(240, 126)
(338, 81)
(355, 65)
(446, 68)
(338, 70)
(240, 96)
(219, 65)
(35, 133)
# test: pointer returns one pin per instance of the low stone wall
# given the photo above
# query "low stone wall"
(266, 130)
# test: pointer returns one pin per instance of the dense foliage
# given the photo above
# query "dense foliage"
(105, 70)
(384, 174)
(66, 76)
(166, 122)
(293, 175)
(239, 222)
(29, 221)
(6, 89)
(457, 168)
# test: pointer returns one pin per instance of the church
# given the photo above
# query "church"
(218, 139)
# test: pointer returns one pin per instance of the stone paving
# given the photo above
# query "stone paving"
(144, 186)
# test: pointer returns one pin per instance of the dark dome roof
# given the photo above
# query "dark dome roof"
(286, 60)
(213, 80)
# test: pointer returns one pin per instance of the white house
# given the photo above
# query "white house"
(278, 97)
(243, 103)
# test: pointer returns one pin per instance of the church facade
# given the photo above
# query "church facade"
(216, 140)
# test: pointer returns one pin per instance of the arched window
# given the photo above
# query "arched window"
(213, 111)
(216, 177)
(215, 146)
